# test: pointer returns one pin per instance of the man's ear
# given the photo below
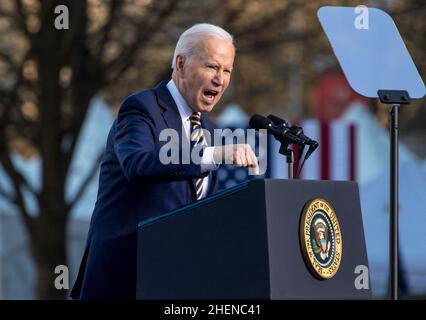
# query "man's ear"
(180, 63)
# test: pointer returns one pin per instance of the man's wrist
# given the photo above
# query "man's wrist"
(208, 161)
(217, 155)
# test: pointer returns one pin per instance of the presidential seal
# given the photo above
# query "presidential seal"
(320, 238)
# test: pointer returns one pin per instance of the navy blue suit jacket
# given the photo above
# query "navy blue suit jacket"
(133, 185)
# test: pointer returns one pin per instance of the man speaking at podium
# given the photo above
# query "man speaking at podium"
(134, 183)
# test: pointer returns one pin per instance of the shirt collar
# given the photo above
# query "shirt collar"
(184, 110)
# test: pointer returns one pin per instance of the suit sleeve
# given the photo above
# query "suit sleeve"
(136, 150)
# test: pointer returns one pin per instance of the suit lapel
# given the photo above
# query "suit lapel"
(170, 111)
(172, 118)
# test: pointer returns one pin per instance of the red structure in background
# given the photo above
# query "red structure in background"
(332, 95)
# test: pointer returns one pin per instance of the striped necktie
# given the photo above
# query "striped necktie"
(197, 138)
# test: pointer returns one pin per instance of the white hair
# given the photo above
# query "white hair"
(189, 39)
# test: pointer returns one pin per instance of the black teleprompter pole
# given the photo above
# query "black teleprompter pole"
(394, 214)
(394, 98)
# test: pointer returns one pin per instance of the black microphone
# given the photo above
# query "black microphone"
(311, 149)
(281, 133)
(277, 120)
(298, 132)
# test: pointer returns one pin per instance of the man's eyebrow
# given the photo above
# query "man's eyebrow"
(216, 63)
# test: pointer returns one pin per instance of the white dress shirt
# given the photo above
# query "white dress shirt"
(207, 161)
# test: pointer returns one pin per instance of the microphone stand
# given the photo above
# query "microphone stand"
(289, 154)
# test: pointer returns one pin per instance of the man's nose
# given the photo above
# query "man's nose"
(218, 78)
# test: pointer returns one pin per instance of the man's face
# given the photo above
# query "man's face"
(203, 77)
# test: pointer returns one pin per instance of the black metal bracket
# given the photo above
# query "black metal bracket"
(394, 96)
(288, 152)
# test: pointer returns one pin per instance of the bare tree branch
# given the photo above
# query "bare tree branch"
(93, 170)
(4, 13)
(10, 101)
(29, 130)
(266, 44)
(86, 79)
(75, 37)
(17, 181)
(21, 19)
(165, 73)
(408, 8)
(267, 22)
(114, 10)
(118, 66)
(230, 16)
(7, 196)
(78, 119)
(6, 57)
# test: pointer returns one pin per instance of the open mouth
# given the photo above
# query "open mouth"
(210, 94)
